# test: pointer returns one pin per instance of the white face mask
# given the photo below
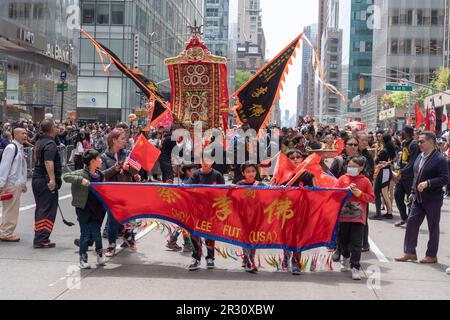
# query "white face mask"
(354, 172)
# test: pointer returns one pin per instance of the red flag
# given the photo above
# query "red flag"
(420, 120)
(145, 153)
(340, 144)
(311, 165)
(283, 171)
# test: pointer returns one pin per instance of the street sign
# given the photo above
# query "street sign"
(62, 87)
(63, 76)
(399, 88)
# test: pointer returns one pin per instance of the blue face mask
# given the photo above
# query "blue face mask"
(354, 172)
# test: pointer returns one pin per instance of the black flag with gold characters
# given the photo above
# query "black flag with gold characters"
(148, 87)
(256, 98)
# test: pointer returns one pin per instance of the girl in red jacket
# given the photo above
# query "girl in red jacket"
(353, 215)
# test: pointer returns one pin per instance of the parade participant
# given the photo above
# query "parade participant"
(353, 215)
(431, 175)
(13, 179)
(45, 183)
(305, 180)
(410, 152)
(165, 159)
(156, 171)
(79, 151)
(339, 168)
(250, 172)
(329, 142)
(116, 170)
(206, 176)
(313, 141)
(90, 211)
(369, 172)
(384, 162)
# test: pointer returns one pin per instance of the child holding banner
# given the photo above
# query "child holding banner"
(206, 176)
(89, 209)
(306, 179)
(249, 172)
(353, 215)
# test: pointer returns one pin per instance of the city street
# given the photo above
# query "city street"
(154, 273)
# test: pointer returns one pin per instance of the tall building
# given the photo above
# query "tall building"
(216, 26)
(308, 76)
(361, 45)
(409, 41)
(249, 20)
(329, 108)
(251, 39)
(142, 33)
(36, 45)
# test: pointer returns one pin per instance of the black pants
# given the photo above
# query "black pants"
(46, 207)
(366, 231)
(382, 193)
(167, 170)
(351, 239)
(402, 190)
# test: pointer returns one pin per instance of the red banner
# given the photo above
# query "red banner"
(296, 219)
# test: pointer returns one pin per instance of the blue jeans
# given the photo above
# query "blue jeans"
(90, 231)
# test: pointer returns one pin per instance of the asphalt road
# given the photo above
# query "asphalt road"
(155, 273)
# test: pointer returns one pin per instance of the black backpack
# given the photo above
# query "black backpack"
(15, 152)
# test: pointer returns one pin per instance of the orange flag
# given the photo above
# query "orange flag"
(145, 154)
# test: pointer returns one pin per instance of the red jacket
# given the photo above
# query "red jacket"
(355, 210)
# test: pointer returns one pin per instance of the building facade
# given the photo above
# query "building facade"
(361, 44)
(216, 26)
(305, 103)
(329, 108)
(409, 41)
(36, 45)
(142, 34)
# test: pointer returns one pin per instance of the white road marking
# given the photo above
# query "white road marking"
(374, 248)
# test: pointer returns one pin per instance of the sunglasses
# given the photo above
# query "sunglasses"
(296, 158)
(353, 145)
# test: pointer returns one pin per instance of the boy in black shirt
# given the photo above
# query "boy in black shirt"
(208, 176)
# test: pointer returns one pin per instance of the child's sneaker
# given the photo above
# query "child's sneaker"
(84, 265)
(101, 261)
(296, 270)
(356, 274)
(210, 264)
(345, 265)
(173, 246)
(250, 268)
(111, 251)
(195, 265)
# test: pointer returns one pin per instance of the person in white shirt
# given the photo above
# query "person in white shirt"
(13, 179)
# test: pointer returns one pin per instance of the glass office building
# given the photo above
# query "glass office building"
(36, 45)
(142, 33)
(361, 45)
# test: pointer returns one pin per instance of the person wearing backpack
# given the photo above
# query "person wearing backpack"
(13, 179)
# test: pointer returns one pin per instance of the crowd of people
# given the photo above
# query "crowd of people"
(408, 168)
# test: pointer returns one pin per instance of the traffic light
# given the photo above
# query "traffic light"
(361, 84)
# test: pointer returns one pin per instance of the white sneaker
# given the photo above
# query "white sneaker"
(448, 271)
(101, 260)
(84, 265)
(345, 265)
(356, 274)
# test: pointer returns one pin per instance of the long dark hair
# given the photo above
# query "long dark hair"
(389, 146)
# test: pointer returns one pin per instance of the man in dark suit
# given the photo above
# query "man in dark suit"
(431, 175)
